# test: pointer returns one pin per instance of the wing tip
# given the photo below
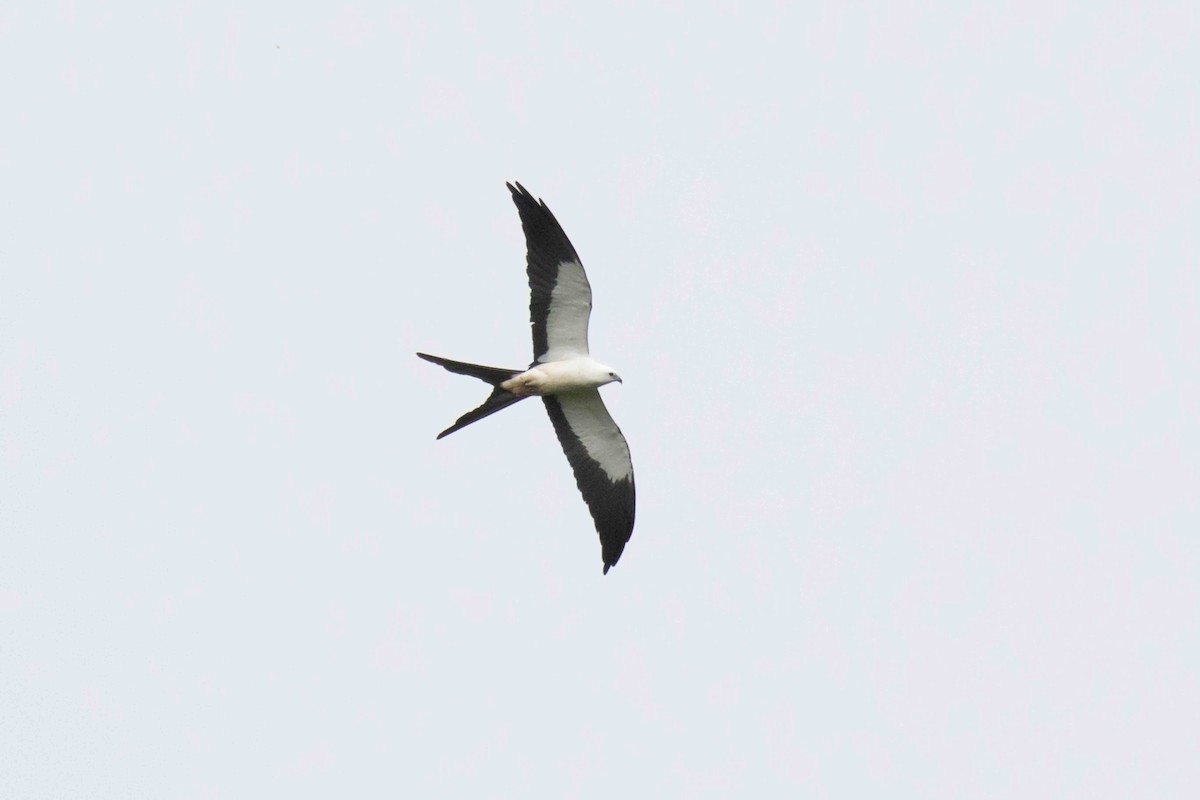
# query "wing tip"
(607, 554)
(521, 194)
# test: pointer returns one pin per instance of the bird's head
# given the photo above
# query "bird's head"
(605, 375)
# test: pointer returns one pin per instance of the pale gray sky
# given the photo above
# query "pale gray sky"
(906, 299)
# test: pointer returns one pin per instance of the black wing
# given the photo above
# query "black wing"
(560, 298)
(599, 457)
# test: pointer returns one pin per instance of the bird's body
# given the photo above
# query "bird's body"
(556, 377)
(565, 376)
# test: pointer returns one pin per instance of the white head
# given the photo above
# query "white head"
(602, 374)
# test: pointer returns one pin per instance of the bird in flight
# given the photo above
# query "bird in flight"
(564, 375)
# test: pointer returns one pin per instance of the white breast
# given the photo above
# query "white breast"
(555, 377)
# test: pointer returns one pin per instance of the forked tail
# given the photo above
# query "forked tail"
(493, 376)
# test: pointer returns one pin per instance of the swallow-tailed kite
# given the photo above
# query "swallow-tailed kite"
(564, 375)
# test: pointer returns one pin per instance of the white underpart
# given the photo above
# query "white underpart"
(555, 377)
(567, 320)
(590, 421)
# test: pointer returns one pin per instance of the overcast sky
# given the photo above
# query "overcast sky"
(906, 299)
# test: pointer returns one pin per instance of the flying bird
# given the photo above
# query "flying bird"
(564, 375)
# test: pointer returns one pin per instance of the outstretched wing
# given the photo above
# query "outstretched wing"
(600, 459)
(560, 298)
